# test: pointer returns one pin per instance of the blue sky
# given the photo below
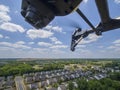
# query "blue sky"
(18, 39)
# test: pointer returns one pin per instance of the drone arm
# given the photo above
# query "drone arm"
(103, 9)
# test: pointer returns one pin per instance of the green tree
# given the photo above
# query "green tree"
(70, 86)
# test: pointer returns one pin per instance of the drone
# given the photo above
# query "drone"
(39, 13)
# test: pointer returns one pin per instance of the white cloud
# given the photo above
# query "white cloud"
(59, 46)
(7, 37)
(115, 46)
(1, 36)
(44, 44)
(11, 27)
(17, 45)
(117, 1)
(4, 8)
(118, 18)
(20, 42)
(31, 43)
(57, 28)
(117, 41)
(4, 17)
(33, 33)
(81, 46)
(91, 38)
(54, 28)
(55, 40)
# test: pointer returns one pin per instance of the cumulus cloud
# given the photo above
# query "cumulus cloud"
(81, 46)
(1, 36)
(11, 27)
(7, 37)
(17, 45)
(31, 43)
(91, 38)
(33, 33)
(59, 46)
(117, 41)
(54, 28)
(55, 40)
(20, 42)
(4, 17)
(115, 46)
(44, 44)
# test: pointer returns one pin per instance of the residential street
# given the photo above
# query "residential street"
(19, 83)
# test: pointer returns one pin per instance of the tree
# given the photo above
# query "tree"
(82, 84)
(70, 86)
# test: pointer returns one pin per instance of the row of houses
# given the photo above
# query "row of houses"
(41, 80)
(36, 86)
(51, 82)
(44, 73)
(7, 82)
(63, 75)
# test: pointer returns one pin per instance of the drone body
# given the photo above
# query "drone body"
(40, 13)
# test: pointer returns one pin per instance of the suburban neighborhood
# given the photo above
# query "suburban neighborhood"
(54, 79)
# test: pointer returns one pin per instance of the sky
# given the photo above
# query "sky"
(18, 39)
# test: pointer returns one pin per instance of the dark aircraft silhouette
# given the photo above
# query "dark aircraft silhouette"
(40, 13)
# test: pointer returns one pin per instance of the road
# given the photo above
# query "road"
(19, 83)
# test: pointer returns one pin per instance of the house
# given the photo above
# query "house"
(9, 78)
(90, 78)
(2, 78)
(43, 84)
(53, 75)
(77, 75)
(33, 86)
(36, 78)
(97, 77)
(101, 76)
(28, 79)
(63, 78)
(68, 77)
(1, 84)
(31, 74)
(62, 73)
(42, 73)
(47, 75)
(72, 76)
(25, 75)
(52, 88)
(9, 83)
(58, 74)
(51, 81)
(62, 87)
(42, 77)
(55, 80)
(37, 73)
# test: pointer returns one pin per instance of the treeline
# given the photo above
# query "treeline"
(111, 83)
(20, 68)
(114, 64)
(15, 69)
(48, 67)
(103, 84)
